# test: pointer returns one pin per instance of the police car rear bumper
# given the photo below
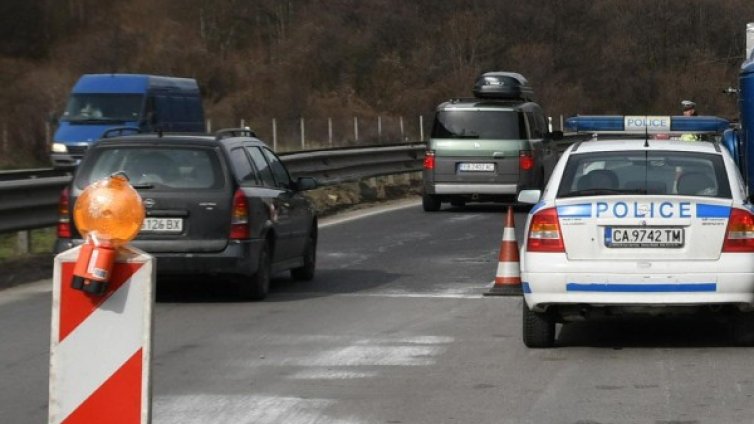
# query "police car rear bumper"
(610, 283)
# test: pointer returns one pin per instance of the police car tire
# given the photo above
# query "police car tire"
(743, 330)
(431, 203)
(538, 328)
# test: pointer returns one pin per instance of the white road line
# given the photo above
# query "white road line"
(359, 214)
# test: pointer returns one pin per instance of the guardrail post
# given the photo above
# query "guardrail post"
(5, 138)
(379, 128)
(209, 125)
(356, 128)
(274, 135)
(329, 131)
(23, 242)
(400, 123)
(561, 122)
(303, 136)
(421, 127)
(243, 123)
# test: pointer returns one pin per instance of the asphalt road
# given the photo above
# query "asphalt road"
(394, 329)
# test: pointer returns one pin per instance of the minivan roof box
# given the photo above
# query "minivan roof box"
(503, 85)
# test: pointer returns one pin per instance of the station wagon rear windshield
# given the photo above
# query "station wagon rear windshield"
(479, 124)
(157, 168)
(645, 172)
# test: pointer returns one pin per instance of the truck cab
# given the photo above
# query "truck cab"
(99, 102)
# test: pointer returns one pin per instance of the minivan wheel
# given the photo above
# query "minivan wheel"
(306, 272)
(257, 286)
(431, 203)
(538, 328)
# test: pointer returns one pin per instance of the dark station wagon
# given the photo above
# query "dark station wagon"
(216, 205)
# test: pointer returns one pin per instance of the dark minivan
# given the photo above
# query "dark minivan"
(490, 147)
(217, 205)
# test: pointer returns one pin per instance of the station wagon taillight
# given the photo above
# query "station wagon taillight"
(544, 232)
(525, 160)
(239, 220)
(429, 160)
(739, 236)
(64, 215)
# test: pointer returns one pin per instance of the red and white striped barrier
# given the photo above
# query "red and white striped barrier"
(508, 276)
(100, 346)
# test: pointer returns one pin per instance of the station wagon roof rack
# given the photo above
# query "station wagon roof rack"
(234, 132)
(118, 131)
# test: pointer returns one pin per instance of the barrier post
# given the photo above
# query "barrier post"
(100, 346)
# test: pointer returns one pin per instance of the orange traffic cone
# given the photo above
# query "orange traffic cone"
(508, 278)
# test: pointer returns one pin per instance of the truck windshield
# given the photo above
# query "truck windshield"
(103, 107)
(479, 124)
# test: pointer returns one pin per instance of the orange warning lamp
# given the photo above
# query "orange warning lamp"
(108, 214)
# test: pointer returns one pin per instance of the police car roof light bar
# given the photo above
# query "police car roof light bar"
(640, 124)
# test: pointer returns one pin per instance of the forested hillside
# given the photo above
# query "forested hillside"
(264, 59)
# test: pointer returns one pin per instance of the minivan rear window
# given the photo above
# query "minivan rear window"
(479, 124)
(156, 168)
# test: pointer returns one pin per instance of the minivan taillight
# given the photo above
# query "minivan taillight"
(544, 232)
(525, 160)
(239, 219)
(739, 236)
(64, 215)
(429, 160)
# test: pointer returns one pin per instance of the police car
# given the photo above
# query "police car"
(638, 224)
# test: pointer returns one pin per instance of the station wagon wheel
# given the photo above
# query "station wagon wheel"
(538, 328)
(306, 272)
(431, 203)
(257, 286)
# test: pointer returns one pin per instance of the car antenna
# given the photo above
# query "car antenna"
(646, 133)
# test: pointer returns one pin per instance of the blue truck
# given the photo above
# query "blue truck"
(99, 102)
(744, 136)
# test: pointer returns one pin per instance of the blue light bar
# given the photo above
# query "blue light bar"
(638, 124)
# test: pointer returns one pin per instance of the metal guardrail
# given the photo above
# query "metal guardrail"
(29, 202)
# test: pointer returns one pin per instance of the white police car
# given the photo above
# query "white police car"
(638, 225)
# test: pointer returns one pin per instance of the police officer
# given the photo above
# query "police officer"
(689, 109)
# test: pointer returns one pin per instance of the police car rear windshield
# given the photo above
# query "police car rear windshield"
(479, 124)
(645, 172)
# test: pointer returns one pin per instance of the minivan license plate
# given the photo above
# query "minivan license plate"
(162, 225)
(666, 237)
(476, 167)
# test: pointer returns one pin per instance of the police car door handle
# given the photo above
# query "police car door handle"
(498, 154)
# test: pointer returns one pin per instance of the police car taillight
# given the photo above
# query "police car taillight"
(429, 160)
(525, 160)
(544, 232)
(739, 236)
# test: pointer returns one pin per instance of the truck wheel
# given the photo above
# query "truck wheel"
(431, 203)
(306, 272)
(257, 286)
(538, 328)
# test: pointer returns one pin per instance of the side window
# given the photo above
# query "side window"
(542, 124)
(278, 169)
(535, 125)
(261, 164)
(242, 166)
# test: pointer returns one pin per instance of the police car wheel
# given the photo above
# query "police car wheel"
(538, 328)
(743, 329)
(431, 203)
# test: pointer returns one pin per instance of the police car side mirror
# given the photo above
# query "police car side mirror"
(530, 197)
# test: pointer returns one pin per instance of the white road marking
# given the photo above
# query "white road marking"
(25, 291)
(331, 374)
(359, 214)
